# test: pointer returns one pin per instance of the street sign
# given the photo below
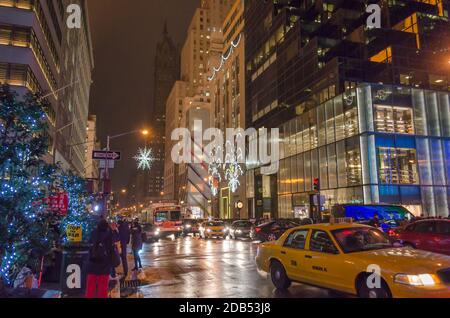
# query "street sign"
(74, 233)
(106, 155)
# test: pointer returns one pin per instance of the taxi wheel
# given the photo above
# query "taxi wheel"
(278, 276)
(365, 292)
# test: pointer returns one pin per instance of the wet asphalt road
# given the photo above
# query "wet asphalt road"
(193, 268)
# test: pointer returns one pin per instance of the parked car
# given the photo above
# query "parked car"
(150, 233)
(191, 226)
(271, 231)
(240, 229)
(431, 235)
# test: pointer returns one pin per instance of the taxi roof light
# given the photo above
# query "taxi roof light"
(334, 220)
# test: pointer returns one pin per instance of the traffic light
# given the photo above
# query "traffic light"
(316, 185)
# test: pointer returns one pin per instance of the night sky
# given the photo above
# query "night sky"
(124, 36)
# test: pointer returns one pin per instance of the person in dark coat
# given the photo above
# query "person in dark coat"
(100, 261)
(375, 222)
(136, 243)
(116, 240)
(124, 236)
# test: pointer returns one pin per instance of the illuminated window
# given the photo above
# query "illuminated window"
(437, 3)
(410, 25)
(384, 56)
(397, 165)
(394, 119)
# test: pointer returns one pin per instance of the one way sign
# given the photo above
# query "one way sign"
(106, 155)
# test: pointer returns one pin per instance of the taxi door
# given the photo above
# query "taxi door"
(324, 263)
(292, 255)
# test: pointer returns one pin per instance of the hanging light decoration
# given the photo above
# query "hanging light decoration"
(215, 176)
(232, 168)
(144, 158)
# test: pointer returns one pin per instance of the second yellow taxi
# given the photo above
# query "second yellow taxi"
(211, 229)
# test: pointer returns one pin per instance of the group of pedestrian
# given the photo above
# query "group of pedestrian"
(109, 243)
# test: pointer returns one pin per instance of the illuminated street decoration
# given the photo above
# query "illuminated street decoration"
(232, 174)
(224, 58)
(144, 158)
(233, 170)
(215, 176)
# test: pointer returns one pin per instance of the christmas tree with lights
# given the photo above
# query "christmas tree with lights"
(27, 222)
(23, 222)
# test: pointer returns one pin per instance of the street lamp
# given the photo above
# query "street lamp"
(143, 132)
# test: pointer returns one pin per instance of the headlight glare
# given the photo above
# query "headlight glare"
(415, 280)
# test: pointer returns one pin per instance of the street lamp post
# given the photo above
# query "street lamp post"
(106, 176)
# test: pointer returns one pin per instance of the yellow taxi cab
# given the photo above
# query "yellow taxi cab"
(211, 229)
(354, 259)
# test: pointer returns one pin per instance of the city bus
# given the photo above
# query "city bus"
(166, 217)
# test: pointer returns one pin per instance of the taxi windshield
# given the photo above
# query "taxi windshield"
(215, 224)
(354, 240)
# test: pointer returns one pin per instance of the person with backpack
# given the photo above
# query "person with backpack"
(100, 261)
(136, 243)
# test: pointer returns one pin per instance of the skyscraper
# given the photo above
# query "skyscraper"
(203, 35)
(363, 112)
(226, 75)
(167, 71)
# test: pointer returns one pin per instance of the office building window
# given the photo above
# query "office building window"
(397, 165)
(394, 119)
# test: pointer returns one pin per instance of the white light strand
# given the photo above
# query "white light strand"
(214, 174)
(225, 58)
(233, 170)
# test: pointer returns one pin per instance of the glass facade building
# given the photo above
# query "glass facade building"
(363, 111)
(373, 144)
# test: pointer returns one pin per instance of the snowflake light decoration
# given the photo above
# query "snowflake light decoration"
(144, 158)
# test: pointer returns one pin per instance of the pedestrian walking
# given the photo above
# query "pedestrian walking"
(124, 235)
(116, 245)
(136, 243)
(375, 222)
(100, 261)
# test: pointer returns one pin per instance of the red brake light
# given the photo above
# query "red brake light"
(393, 233)
(257, 229)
